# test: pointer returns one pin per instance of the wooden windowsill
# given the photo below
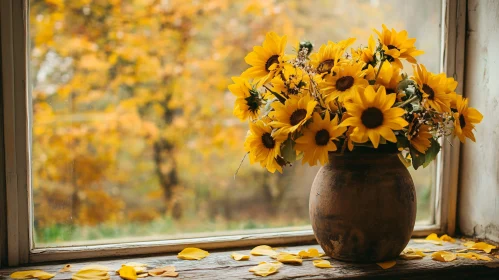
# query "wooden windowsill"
(219, 265)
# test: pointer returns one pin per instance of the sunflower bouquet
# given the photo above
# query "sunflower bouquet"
(306, 105)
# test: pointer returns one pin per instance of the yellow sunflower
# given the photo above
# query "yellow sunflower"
(317, 139)
(329, 55)
(248, 101)
(366, 54)
(419, 136)
(293, 114)
(434, 88)
(291, 81)
(397, 46)
(266, 60)
(372, 116)
(264, 145)
(389, 77)
(465, 119)
(349, 79)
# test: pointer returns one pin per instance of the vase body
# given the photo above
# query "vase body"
(363, 207)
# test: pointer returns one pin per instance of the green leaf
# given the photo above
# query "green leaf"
(417, 158)
(288, 151)
(425, 159)
(402, 142)
(432, 152)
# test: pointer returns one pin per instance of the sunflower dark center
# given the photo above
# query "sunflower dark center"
(325, 66)
(372, 117)
(322, 137)
(391, 47)
(253, 102)
(429, 91)
(390, 90)
(344, 83)
(273, 59)
(268, 141)
(462, 121)
(297, 116)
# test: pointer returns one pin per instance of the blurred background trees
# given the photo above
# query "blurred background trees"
(133, 132)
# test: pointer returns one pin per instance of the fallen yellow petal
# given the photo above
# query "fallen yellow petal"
(461, 251)
(95, 267)
(263, 250)
(142, 275)
(387, 265)
(127, 272)
(240, 257)
(139, 267)
(447, 238)
(66, 268)
(161, 270)
(322, 264)
(265, 269)
(311, 253)
(412, 254)
(28, 274)
(474, 256)
(169, 274)
(289, 258)
(480, 246)
(192, 254)
(92, 273)
(432, 236)
(443, 256)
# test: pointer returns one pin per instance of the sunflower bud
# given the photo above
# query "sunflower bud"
(306, 45)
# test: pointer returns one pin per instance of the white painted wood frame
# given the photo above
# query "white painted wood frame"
(17, 110)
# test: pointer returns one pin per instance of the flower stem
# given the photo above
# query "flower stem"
(407, 101)
(279, 97)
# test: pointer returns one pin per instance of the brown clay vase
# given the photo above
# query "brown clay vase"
(363, 206)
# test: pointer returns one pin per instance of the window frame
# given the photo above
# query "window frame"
(16, 247)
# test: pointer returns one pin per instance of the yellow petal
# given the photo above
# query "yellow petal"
(412, 254)
(192, 254)
(142, 275)
(28, 274)
(42, 275)
(447, 238)
(263, 250)
(240, 257)
(322, 264)
(289, 258)
(461, 251)
(480, 246)
(94, 274)
(311, 253)
(432, 236)
(95, 267)
(161, 270)
(66, 268)
(387, 265)
(265, 269)
(127, 272)
(139, 267)
(443, 256)
(474, 256)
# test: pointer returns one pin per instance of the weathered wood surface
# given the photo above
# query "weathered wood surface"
(219, 265)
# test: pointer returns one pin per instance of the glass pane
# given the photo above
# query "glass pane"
(133, 132)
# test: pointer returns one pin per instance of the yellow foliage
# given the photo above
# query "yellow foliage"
(192, 254)
(38, 274)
